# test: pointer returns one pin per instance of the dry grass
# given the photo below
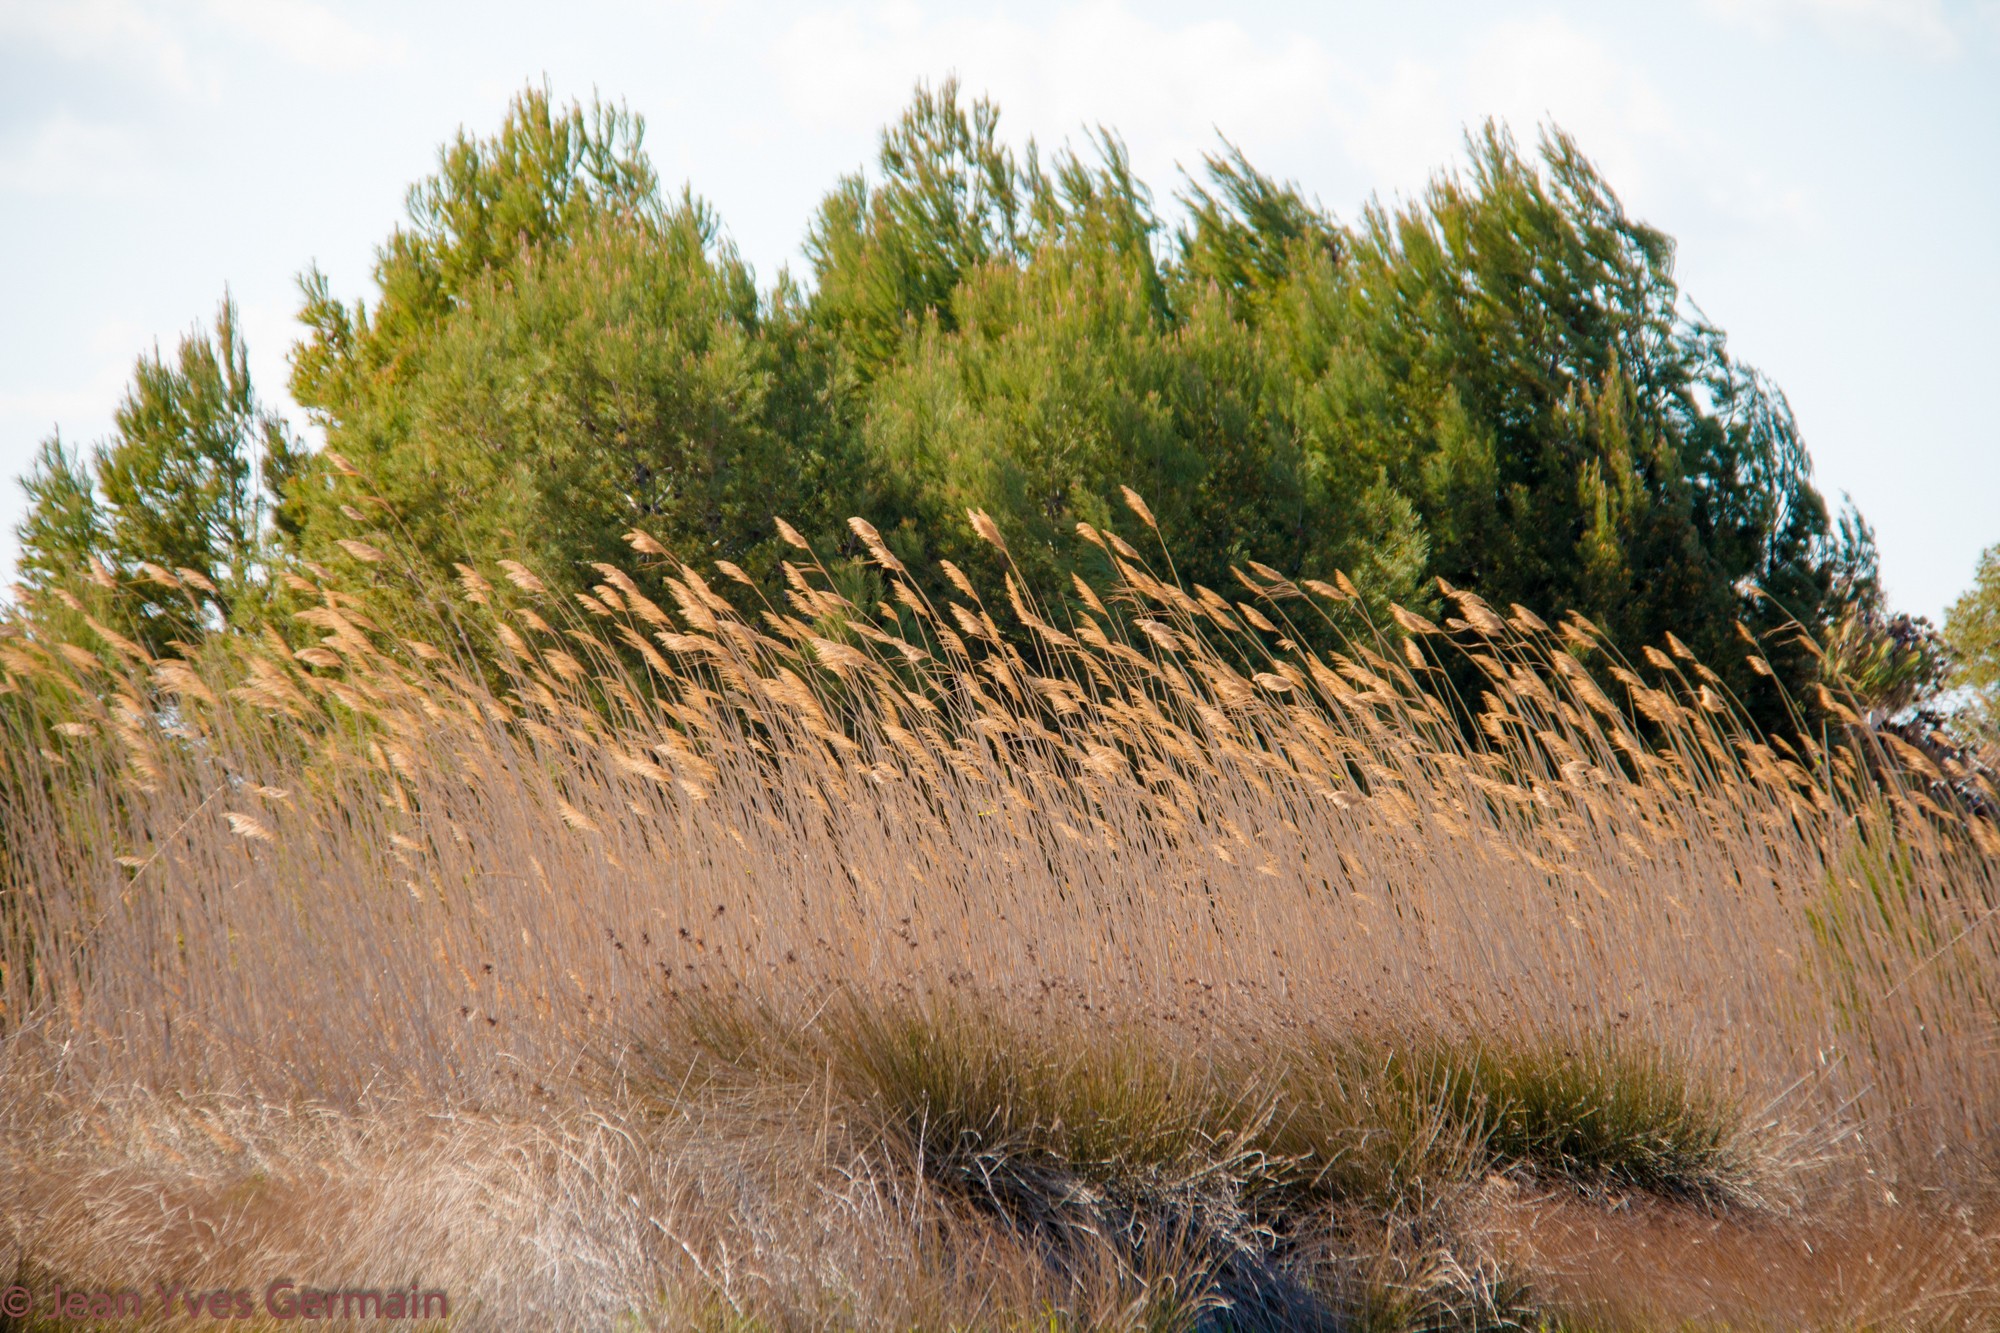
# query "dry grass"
(842, 968)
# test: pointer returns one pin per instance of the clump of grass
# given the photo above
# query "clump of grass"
(1093, 1145)
(956, 1081)
(1230, 1155)
(1597, 1111)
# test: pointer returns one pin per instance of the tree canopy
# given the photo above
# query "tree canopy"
(1509, 354)
(1972, 628)
(1497, 383)
(168, 524)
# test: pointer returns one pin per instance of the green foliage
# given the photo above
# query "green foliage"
(64, 527)
(1496, 383)
(1248, 234)
(1026, 352)
(1972, 629)
(169, 516)
(616, 381)
(1508, 355)
(1596, 1111)
(558, 356)
(951, 200)
(545, 175)
(1061, 385)
(1304, 1122)
(1886, 663)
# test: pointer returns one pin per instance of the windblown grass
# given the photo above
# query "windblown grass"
(866, 969)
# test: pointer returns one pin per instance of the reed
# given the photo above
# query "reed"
(671, 958)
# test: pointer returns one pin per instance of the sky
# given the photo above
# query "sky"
(1830, 169)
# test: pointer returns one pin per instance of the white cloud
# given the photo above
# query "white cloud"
(67, 156)
(159, 36)
(1527, 75)
(1924, 25)
(307, 33)
(80, 408)
(123, 32)
(1289, 99)
(1547, 72)
(118, 337)
(1532, 73)
(83, 406)
(1402, 129)
(1756, 200)
(1169, 89)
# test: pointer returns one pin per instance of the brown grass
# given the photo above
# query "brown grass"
(852, 969)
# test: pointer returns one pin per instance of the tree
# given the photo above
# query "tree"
(491, 201)
(64, 527)
(1497, 383)
(952, 199)
(1248, 235)
(172, 512)
(1972, 629)
(556, 356)
(1020, 347)
(1059, 386)
(1509, 354)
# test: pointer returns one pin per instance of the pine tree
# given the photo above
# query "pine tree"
(1972, 629)
(1497, 383)
(173, 509)
(64, 527)
(558, 354)
(1510, 355)
(951, 199)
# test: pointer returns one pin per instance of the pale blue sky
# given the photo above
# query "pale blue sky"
(1830, 168)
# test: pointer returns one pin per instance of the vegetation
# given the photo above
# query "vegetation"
(540, 847)
(1496, 383)
(1972, 628)
(838, 968)
(176, 516)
